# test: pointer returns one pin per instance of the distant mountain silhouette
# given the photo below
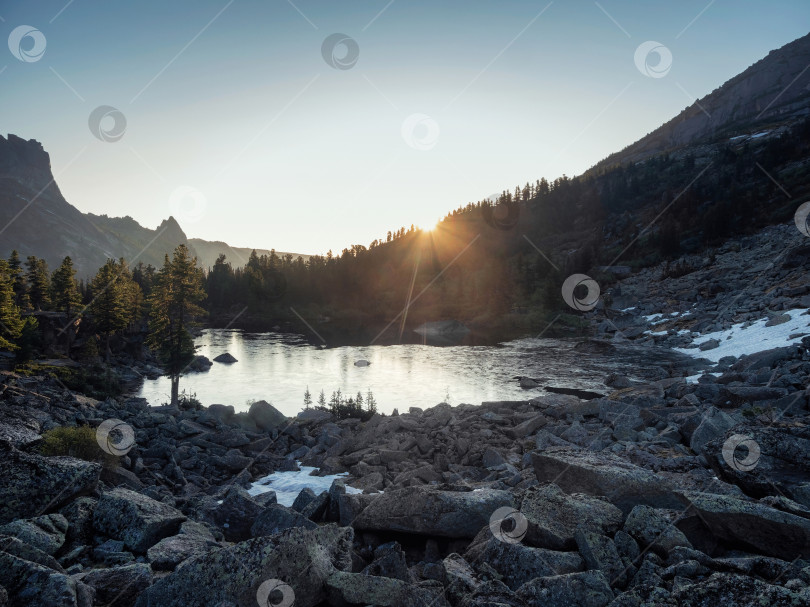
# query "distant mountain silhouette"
(36, 220)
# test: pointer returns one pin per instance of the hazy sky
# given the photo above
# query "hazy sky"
(237, 124)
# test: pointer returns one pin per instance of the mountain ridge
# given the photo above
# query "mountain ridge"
(38, 220)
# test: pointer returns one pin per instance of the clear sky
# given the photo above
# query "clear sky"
(439, 104)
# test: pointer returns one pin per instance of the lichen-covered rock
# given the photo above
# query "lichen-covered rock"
(32, 483)
(118, 586)
(79, 515)
(554, 516)
(301, 558)
(624, 484)
(276, 518)
(748, 523)
(420, 510)
(46, 532)
(266, 416)
(518, 563)
(586, 589)
(18, 548)
(137, 520)
(655, 528)
(389, 561)
(33, 585)
(344, 589)
(171, 551)
(235, 515)
(599, 552)
(731, 590)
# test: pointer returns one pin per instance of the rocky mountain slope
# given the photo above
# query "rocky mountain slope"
(36, 220)
(772, 92)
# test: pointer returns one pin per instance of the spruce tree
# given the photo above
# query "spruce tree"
(11, 324)
(65, 296)
(174, 304)
(18, 281)
(38, 282)
(307, 399)
(109, 303)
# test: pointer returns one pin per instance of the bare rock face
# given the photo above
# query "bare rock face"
(137, 520)
(303, 559)
(46, 533)
(624, 484)
(554, 516)
(753, 524)
(454, 514)
(32, 483)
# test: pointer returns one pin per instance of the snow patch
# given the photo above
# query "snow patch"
(288, 485)
(740, 339)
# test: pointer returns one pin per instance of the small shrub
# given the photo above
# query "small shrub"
(79, 442)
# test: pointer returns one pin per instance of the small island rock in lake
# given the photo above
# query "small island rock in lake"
(227, 357)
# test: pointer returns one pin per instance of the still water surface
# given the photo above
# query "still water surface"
(278, 368)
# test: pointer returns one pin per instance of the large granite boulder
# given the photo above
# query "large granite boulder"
(554, 516)
(624, 484)
(276, 518)
(266, 416)
(750, 524)
(34, 483)
(344, 589)
(302, 559)
(586, 589)
(426, 511)
(46, 532)
(118, 586)
(137, 520)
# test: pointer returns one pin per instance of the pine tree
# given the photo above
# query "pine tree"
(11, 324)
(307, 399)
(65, 295)
(174, 305)
(109, 305)
(371, 402)
(38, 282)
(18, 281)
(359, 400)
(322, 400)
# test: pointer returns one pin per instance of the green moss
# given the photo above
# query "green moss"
(79, 442)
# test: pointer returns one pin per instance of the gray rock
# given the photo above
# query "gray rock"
(599, 553)
(137, 520)
(389, 561)
(225, 358)
(622, 483)
(713, 423)
(304, 497)
(709, 344)
(302, 558)
(266, 416)
(46, 533)
(32, 483)
(586, 589)
(455, 514)
(732, 590)
(276, 518)
(518, 563)
(234, 516)
(655, 529)
(30, 584)
(344, 589)
(765, 529)
(169, 552)
(118, 586)
(554, 516)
